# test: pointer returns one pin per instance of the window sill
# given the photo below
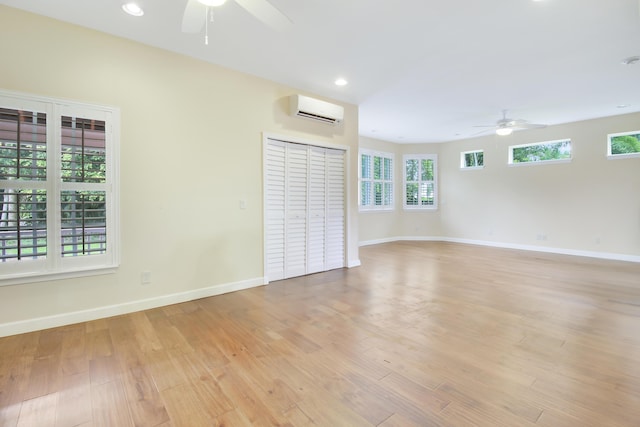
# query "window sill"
(20, 279)
(542, 162)
(366, 210)
(622, 156)
(420, 208)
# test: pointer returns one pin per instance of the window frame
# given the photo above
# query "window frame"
(621, 155)
(463, 163)
(390, 182)
(510, 161)
(419, 158)
(54, 266)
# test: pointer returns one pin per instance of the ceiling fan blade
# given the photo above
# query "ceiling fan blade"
(195, 13)
(267, 13)
(481, 132)
(527, 125)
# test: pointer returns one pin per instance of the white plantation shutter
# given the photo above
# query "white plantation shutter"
(304, 209)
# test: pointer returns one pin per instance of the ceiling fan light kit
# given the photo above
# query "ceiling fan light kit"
(198, 12)
(504, 131)
(212, 3)
(505, 126)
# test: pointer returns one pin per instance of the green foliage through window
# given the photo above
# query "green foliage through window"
(541, 152)
(621, 144)
(473, 159)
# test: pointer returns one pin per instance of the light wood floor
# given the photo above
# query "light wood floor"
(423, 334)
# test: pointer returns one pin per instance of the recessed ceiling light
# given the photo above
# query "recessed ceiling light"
(623, 106)
(632, 60)
(212, 3)
(341, 82)
(133, 9)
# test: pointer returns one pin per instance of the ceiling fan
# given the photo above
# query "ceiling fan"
(198, 13)
(505, 126)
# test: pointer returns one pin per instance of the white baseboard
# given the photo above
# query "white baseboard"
(46, 322)
(546, 249)
(354, 263)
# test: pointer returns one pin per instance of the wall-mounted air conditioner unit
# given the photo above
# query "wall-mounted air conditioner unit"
(315, 109)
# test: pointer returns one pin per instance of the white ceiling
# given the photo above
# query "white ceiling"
(420, 70)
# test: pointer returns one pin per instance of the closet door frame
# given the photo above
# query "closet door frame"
(347, 202)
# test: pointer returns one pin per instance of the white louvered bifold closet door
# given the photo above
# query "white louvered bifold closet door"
(304, 209)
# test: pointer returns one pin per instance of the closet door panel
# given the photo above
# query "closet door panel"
(275, 209)
(296, 210)
(317, 210)
(335, 237)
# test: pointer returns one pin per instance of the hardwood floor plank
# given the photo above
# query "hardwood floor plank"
(74, 401)
(109, 405)
(144, 401)
(39, 411)
(185, 407)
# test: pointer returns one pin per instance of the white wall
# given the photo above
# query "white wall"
(191, 148)
(589, 206)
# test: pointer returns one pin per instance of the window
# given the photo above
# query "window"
(420, 181)
(624, 144)
(58, 189)
(472, 159)
(540, 152)
(376, 180)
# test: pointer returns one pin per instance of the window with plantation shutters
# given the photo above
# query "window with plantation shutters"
(420, 181)
(58, 188)
(376, 180)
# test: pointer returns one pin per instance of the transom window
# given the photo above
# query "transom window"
(624, 144)
(58, 189)
(376, 180)
(420, 181)
(472, 159)
(538, 152)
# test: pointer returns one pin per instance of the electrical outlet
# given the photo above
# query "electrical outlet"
(145, 277)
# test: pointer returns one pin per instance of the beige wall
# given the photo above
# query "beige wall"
(376, 226)
(191, 136)
(590, 205)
